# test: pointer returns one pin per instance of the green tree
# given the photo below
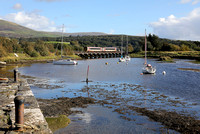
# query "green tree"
(130, 48)
(42, 49)
(155, 42)
(184, 48)
(2, 51)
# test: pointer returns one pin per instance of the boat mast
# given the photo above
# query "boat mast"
(121, 47)
(62, 39)
(127, 45)
(145, 60)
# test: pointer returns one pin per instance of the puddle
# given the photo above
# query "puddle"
(100, 120)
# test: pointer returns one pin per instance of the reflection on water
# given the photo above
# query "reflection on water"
(122, 85)
(104, 121)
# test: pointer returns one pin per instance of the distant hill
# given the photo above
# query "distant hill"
(10, 29)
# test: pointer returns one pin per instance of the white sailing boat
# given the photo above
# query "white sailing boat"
(147, 69)
(122, 59)
(64, 61)
(127, 57)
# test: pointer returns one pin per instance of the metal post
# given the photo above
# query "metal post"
(15, 75)
(19, 112)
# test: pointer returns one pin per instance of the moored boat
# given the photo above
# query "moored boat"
(122, 59)
(65, 62)
(127, 57)
(147, 69)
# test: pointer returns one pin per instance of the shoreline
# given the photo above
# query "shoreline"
(192, 55)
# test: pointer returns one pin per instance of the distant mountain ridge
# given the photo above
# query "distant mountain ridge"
(10, 29)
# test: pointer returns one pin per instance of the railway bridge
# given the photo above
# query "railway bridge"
(100, 54)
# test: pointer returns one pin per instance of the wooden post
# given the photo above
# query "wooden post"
(16, 75)
(87, 75)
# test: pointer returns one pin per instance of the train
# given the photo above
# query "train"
(101, 49)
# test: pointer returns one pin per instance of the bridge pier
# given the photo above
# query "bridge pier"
(96, 55)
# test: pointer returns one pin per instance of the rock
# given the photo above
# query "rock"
(3, 80)
(2, 63)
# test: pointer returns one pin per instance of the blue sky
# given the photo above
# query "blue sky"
(173, 19)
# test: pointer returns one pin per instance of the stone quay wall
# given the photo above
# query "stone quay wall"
(34, 121)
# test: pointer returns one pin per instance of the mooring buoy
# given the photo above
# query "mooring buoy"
(163, 72)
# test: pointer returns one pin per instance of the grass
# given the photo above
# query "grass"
(190, 69)
(165, 59)
(172, 54)
(55, 42)
(195, 62)
(11, 58)
(56, 123)
(137, 55)
(175, 53)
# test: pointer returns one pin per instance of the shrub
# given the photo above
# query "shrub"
(34, 54)
(2, 51)
(43, 50)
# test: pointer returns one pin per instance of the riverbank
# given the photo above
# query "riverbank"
(24, 58)
(195, 55)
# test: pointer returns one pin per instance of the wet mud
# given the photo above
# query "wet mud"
(189, 69)
(171, 120)
(62, 106)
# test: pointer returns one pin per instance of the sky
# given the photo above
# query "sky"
(172, 19)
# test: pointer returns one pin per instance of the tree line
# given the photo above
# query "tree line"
(45, 46)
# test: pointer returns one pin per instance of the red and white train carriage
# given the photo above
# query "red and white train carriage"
(101, 49)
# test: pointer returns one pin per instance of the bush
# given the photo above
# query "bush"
(184, 48)
(43, 50)
(34, 54)
(165, 58)
(2, 51)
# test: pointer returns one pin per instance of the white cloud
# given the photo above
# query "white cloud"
(111, 31)
(86, 117)
(185, 1)
(32, 20)
(17, 6)
(50, 0)
(184, 28)
(194, 2)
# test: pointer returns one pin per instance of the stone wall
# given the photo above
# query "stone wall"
(34, 121)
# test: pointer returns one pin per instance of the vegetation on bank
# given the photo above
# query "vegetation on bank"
(50, 47)
(168, 55)
(11, 58)
(16, 50)
(165, 59)
(56, 123)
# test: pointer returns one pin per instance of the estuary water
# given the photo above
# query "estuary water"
(177, 90)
